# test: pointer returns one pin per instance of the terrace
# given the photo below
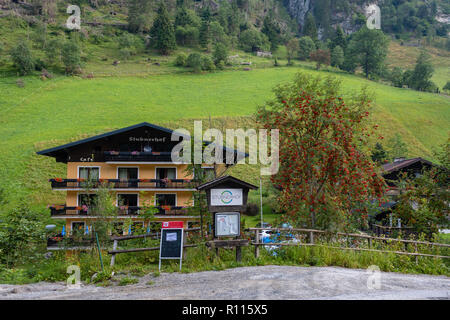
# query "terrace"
(76, 184)
(63, 210)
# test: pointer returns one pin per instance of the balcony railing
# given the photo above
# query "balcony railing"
(124, 184)
(137, 156)
(63, 210)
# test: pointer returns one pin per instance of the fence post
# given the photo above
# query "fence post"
(369, 240)
(238, 254)
(113, 258)
(311, 237)
(415, 249)
(257, 245)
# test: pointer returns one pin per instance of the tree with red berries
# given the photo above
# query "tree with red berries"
(325, 178)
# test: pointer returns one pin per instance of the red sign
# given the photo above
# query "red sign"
(172, 224)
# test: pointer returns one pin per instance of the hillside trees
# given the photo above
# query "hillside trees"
(252, 40)
(22, 58)
(369, 49)
(321, 57)
(310, 28)
(162, 31)
(292, 48)
(138, 15)
(323, 173)
(272, 31)
(422, 73)
(306, 46)
(447, 87)
(71, 56)
(337, 57)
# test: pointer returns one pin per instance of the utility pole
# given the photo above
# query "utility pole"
(260, 198)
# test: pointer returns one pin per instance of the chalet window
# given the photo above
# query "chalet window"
(166, 200)
(117, 229)
(78, 228)
(126, 174)
(137, 227)
(89, 173)
(126, 199)
(166, 173)
(88, 200)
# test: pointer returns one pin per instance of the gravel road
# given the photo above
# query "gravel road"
(265, 282)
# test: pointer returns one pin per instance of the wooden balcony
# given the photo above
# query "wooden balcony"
(142, 184)
(63, 210)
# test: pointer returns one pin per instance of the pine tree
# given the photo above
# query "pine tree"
(205, 34)
(339, 39)
(423, 71)
(337, 57)
(138, 15)
(162, 32)
(310, 28)
(272, 31)
(379, 155)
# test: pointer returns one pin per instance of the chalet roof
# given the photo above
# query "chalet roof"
(397, 165)
(52, 152)
(225, 179)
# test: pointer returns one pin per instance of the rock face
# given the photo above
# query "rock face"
(299, 8)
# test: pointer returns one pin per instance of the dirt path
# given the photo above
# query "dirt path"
(267, 282)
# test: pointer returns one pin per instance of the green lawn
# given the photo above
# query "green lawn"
(52, 112)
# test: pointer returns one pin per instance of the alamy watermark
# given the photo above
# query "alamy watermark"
(373, 14)
(74, 21)
(209, 147)
(73, 281)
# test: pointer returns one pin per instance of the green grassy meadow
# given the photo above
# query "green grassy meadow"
(49, 113)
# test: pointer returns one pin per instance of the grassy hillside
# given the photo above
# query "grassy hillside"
(49, 113)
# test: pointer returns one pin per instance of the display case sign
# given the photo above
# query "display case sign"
(226, 197)
(227, 224)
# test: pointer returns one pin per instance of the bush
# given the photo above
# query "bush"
(125, 53)
(22, 58)
(306, 46)
(71, 56)
(207, 64)
(180, 60)
(220, 53)
(194, 61)
(252, 40)
(39, 65)
(251, 209)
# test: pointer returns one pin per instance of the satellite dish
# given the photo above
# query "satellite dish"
(50, 227)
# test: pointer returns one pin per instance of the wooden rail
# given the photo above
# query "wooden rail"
(115, 251)
(311, 232)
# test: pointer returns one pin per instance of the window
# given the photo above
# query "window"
(89, 173)
(86, 201)
(137, 227)
(166, 173)
(127, 174)
(127, 199)
(117, 229)
(166, 200)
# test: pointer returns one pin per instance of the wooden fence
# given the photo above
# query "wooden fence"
(312, 232)
(115, 251)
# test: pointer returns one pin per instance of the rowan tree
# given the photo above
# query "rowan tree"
(325, 178)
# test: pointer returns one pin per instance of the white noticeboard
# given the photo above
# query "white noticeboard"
(226, 197)
(227, 224)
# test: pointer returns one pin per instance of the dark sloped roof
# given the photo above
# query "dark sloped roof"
(51, 152)
(215, 182)
(394, 166)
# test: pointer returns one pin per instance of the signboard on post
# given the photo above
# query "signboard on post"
(227, 224)
(226, 197)
(171, 245)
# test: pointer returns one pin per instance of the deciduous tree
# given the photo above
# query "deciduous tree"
(323, 173)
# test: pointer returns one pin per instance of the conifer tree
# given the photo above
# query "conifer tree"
(163, 34)
(310, 28)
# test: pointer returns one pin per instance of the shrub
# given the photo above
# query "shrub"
(194, 61)
(207, 63)
(71, 56)
(220, 53)
(306, 46)
(22, 58)
(180, 60)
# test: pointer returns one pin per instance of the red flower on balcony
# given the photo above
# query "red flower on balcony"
(80, 179)
(58, 179)
(144, 180)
